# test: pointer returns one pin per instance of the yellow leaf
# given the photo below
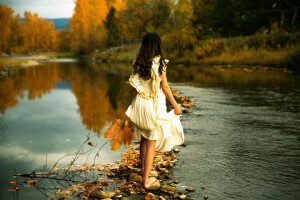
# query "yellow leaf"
(119, 131)
(14, 188)
(31, 181)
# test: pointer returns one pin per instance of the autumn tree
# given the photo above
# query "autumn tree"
(6, 19)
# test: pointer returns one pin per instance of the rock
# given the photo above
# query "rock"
(135, 177)
(190, 189)
(202, 187)
(164, 170)
(188, 110)
(155, 186)
(171, 165)
(153, 173)
(176, 150)
(176, 182)
(183, 145)
(153, 197)
(168, 189)
(161, 198)
(170, 176)
(101, 194)
(205, 197)
(187, 105)
(165, 163)
(182, 196)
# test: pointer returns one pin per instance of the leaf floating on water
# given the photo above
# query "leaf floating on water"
(120, 131)
(14, 188)
(31, 181)
(91, 144)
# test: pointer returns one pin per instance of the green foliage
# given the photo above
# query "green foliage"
(111, 26)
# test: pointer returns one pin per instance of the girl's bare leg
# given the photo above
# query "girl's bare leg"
(148, 162)
(143, 147)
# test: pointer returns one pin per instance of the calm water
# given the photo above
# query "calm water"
(243, 138)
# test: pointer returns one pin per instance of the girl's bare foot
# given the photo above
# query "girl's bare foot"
(150, 181)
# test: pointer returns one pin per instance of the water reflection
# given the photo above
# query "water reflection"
(56, 103)
(101, 96)
(59, 102)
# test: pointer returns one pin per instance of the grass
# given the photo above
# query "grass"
(275, 50)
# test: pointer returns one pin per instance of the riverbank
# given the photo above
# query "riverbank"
(274, 50)
(123, 180)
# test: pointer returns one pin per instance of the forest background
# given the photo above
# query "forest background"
(248, 32)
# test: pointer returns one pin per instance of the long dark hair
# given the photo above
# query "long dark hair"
(151, 47)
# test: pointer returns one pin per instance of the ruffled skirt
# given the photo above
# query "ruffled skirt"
(164, 127)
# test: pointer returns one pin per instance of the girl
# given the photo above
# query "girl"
(154, 127)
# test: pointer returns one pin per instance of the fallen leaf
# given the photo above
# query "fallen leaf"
(31, 181)
(120, 131)
(147, 197)
(14, 188)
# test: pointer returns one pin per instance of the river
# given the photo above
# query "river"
(243, 138)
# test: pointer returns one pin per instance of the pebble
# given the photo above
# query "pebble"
(168, 189)
(205, 197)
(183, 145)
(170, 176)
(182, 196)
(153, 173)
(176, 182)
(176, 150)
(101, 194)
(161, 198)
(190, 189)
(188, 110)
(155, 186)
(135, 177)
(202, 187)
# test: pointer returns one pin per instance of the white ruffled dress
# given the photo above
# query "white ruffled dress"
(148, 112)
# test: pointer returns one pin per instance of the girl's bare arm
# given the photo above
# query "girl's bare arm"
(167, 91)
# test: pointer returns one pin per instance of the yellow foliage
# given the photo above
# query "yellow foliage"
(119, 131)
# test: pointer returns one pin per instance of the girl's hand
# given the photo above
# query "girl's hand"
(177, 110)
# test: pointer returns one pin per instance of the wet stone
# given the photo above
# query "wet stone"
(168, 189)
(170, 176)
(190, 189)
(155, 186)
(135, 177)
(101, 194)
(182, 196)
(188, 110)
(176, 150)
(183, 145)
